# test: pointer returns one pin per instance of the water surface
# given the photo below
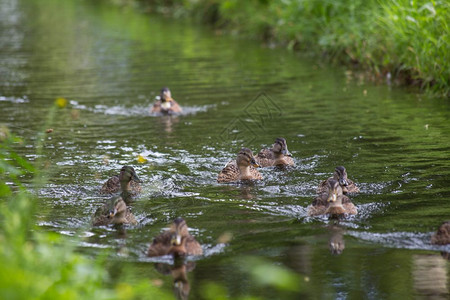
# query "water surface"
(110, 63)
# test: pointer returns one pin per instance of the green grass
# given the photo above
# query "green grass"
(406, 38)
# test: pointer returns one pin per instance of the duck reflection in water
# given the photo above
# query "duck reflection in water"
(336, 242)
(247, 191)
(430, 276)
(242, 191)
(178, 271)
(168, 122)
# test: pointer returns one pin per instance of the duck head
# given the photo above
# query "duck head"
(245, 158)
(165, 95)
(334, 191)
(279, 148)
(179, 231)
(340, 174)
(334, 199)
(117, 210)
(127, 174)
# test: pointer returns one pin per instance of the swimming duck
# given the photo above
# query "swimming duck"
(176, 241)
(278, 155)
(243, 168)
(166, 104)
(127, 181)
(340, 174)
(333, 202)
(442, 236)
(114, 211)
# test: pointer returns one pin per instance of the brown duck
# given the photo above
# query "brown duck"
(114, 211)
(166, 104)
(243, 168)
(176, 241)
(442, 236)
(278, 155)
(340, 175)
(333, 202)
(127, 181)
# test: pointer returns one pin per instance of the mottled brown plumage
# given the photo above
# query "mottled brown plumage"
(278, 155)
(442, 236)
(340, 175)
(176, 241)
(243, 168)
(114, 211)
(332, 202)
(165, 104)
(127, 182)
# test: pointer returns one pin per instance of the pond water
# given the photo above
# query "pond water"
(110, 63)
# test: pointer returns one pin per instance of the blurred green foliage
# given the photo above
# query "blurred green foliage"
(408, 39)
(286, 283)
(44, 265)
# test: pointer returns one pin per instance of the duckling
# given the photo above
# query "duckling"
(340, 174)
(176, 241)
(442, 236)
(114, 211)
(243, 168)
(166, 104)
(127, 181)
(278, 155)
(333, 202)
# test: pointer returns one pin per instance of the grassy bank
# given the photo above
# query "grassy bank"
(405, 40)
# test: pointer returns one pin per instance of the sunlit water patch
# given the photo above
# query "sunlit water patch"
(135, 110)
(406, 240)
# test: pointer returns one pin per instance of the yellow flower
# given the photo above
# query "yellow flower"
(141, 159)
(61, 102)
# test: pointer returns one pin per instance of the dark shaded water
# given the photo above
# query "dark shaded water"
(110, 63)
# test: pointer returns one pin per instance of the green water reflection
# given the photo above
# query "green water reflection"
(111, 62)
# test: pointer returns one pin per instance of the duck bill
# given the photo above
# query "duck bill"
(166, 98)
(176, 239)
(343, 182)
(332, 197)
(136, 178)
(254, 163)
(113, 212)
(285, 152)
